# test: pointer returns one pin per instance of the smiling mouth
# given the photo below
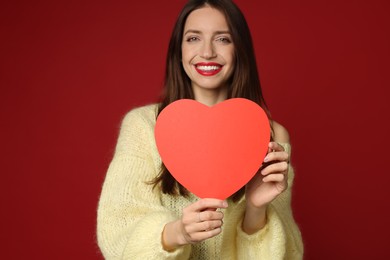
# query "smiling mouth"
(208, 69)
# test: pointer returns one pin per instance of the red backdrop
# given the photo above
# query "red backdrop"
(70, 70)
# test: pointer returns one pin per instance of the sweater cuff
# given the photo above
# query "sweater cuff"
(183, 252)
(267, 243)
(145, 240)
(255, 237)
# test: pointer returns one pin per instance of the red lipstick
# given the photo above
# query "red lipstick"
(208, 68)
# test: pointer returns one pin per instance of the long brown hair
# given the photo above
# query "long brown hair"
(244, 82)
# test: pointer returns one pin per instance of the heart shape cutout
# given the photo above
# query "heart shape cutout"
(212, 151)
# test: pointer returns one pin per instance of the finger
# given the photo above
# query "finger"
(279, 167)
(203, 226)
(209, 225)
(277, 156)
(274, 178)
(206, 234)
(207, 204)
(209, 215)
(274, 146)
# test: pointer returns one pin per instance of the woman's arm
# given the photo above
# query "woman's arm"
(268, 183)
(268, 229)
(131, 217)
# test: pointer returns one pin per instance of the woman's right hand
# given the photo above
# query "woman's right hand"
(199, 221)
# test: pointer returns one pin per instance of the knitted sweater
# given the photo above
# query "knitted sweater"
(132, 215)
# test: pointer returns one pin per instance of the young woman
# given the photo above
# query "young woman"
(144, 213)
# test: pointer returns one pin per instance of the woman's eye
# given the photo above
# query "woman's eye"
(224, 40)
(192, 39)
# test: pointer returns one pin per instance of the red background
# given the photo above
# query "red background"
(70, 70)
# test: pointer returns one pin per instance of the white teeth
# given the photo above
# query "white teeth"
(208, 68)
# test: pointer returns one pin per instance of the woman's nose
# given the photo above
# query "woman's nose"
(207, 51)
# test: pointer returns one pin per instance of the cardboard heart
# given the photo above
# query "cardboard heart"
(212, 151)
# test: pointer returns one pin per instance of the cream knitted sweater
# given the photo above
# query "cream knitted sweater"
(132, 215)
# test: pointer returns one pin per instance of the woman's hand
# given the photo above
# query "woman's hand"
(265, 186)
(271, 180)
(199, 221)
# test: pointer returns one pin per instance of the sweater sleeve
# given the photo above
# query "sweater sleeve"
(131, 217)
(280, 238)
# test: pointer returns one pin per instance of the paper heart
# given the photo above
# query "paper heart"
(212, 151)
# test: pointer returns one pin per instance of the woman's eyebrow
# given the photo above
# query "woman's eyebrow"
(193, 31)
(222, 32)
(199, 32)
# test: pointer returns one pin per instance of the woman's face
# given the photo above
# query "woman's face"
(207, 52)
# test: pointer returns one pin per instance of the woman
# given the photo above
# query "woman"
(144, 213)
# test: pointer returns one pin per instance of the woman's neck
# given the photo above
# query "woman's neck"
(210, 97)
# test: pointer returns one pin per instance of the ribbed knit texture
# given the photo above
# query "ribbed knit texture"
(132, 215)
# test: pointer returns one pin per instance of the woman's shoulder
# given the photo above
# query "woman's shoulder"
(280, 133)
(146, 110)
(146, 113)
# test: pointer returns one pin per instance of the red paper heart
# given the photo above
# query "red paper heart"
(212, 151)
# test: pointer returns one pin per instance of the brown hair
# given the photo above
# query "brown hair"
(244, 82)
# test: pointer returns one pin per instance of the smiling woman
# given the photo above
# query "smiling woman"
(144, 213)
(208, 54)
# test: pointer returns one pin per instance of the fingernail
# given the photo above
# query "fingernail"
(266, 159)
(225, 204)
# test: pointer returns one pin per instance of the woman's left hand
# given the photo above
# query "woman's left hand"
(271, 180)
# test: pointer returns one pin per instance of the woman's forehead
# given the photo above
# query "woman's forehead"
(206, 19)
